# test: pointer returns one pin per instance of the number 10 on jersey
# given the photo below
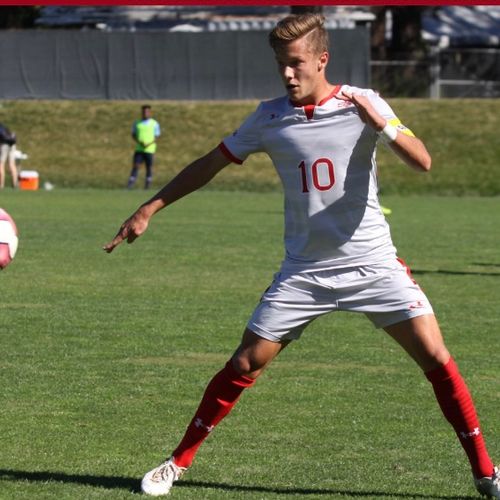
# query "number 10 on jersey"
(322, 175)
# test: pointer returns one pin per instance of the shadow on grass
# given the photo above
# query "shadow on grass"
(445, 271)
(315, 491)
(133, 485)
(110, 482)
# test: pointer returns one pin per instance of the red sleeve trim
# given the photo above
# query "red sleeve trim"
(228, 154)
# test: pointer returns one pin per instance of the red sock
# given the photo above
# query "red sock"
(221, 394)
(458, 408)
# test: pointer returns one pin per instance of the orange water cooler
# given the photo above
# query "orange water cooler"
(28, 180)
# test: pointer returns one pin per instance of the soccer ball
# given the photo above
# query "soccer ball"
(8, 239)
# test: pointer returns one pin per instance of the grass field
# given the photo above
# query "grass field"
(88, 143)
(105, 357)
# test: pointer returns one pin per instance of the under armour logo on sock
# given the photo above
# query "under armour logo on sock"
(199, 423)
(475, 432)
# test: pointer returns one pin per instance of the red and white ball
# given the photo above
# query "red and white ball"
(8, 239)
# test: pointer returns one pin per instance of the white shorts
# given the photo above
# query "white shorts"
(385, 292)
(7, 152)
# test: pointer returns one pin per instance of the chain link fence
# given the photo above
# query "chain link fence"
(445, 73)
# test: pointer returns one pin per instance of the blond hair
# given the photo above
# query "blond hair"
(296, 26)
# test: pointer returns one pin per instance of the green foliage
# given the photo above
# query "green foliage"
(105, 357)
(88, 143)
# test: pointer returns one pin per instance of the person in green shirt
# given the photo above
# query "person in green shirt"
(144, 132)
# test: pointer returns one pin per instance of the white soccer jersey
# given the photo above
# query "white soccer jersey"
(325, 157)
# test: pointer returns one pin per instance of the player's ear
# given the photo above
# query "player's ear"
(323, 60)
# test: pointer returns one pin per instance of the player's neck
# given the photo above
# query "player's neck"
(318, 97)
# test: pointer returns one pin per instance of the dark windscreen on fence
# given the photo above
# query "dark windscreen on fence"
(63, 64)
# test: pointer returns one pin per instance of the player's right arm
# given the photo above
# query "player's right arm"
(134, 135)
(193, 177)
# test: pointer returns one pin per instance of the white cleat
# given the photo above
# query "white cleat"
(157, 482)
(489, 486)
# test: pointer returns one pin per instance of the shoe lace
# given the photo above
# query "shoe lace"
(167, 471)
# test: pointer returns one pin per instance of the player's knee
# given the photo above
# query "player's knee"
(245, 365)
(242, 364)
(434, 357)
(441, 355)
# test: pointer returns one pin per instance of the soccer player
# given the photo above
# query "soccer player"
(144, 132)
(339, 254)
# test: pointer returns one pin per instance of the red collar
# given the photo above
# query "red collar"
(309, 108)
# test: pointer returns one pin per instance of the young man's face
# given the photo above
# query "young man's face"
(146, 113)
(302, 71)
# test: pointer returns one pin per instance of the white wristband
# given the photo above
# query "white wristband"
(388, 133)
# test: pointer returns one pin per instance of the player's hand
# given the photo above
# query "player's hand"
(130, 230)
(367, 112)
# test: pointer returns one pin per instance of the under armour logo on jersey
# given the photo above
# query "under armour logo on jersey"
(344, 104)
(475, 432)
(199, 423)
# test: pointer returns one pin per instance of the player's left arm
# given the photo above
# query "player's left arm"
(408, 147)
